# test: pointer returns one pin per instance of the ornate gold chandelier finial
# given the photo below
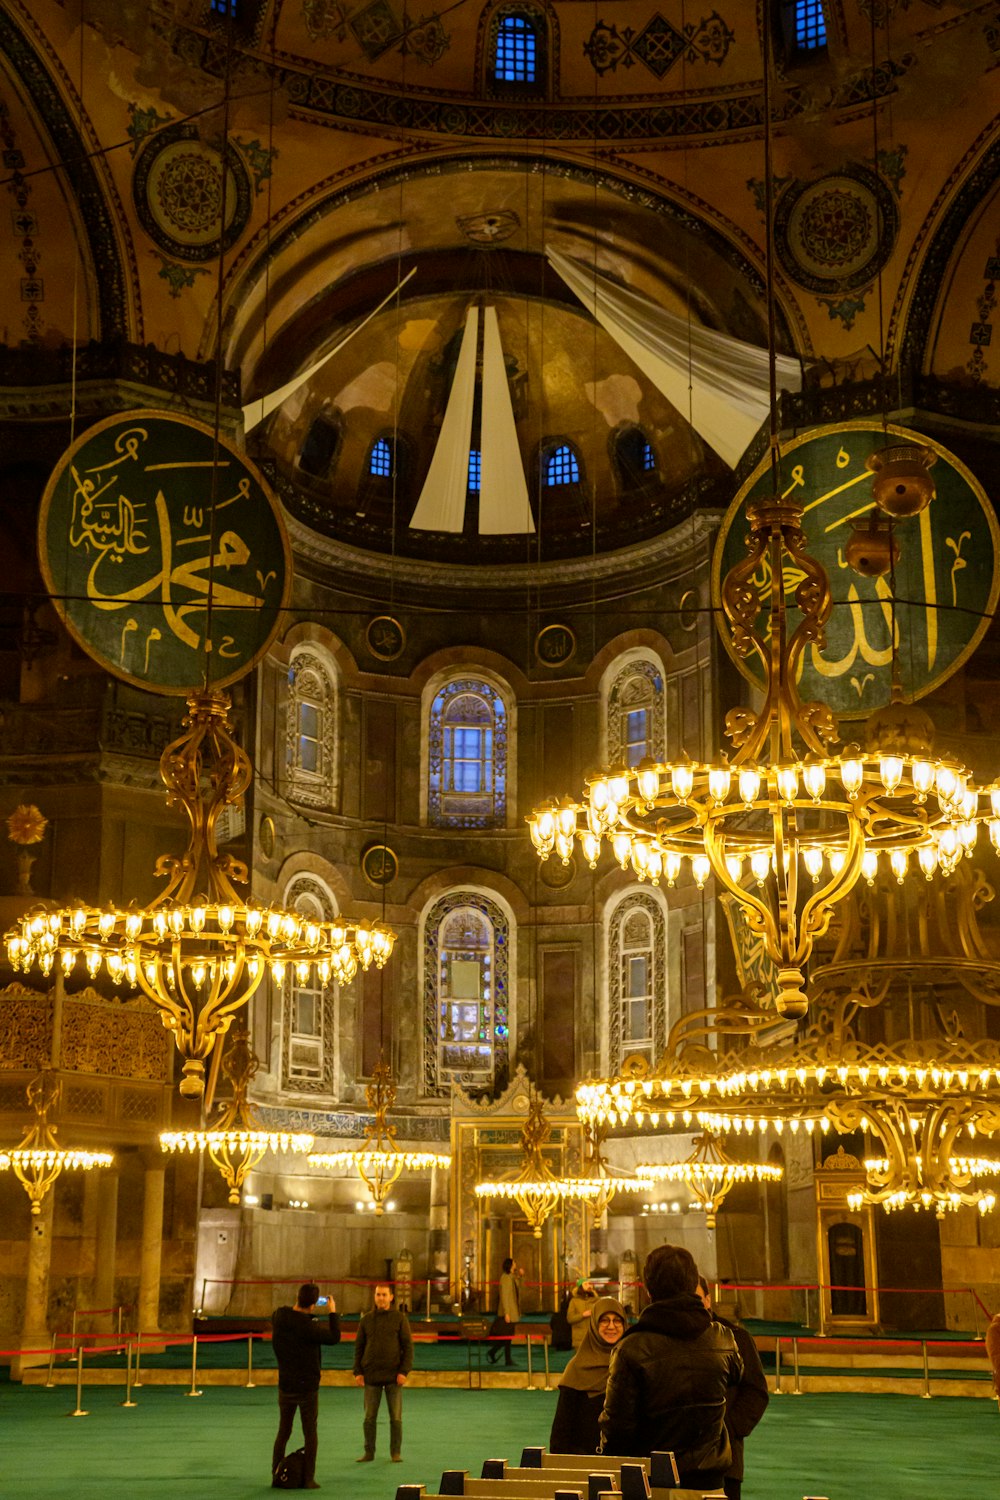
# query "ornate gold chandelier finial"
(39, 1159)
(237, 1142)
(379, 1161)
(199, 950)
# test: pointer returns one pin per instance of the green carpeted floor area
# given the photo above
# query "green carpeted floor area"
(173, 1447)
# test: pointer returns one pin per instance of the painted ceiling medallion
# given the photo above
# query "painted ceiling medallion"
(178, 187)
(838, 232)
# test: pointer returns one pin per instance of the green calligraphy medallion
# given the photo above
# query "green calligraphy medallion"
(947, 577)
(164, 552)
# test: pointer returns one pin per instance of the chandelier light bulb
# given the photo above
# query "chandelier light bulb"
(648, 781)
(869, 865)
(701, 869)
(814, 780)
(788, 783)
(812, 858)
(852, 775)
(681, 782)
(898, 862)
(749, 785)
(719, 781)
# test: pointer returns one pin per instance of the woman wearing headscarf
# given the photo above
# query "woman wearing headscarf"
(581, 1388)
(578, 1312)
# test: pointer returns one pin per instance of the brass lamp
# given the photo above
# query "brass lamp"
(39, 1160)
(379, 1162)
(709, 1172)
(536, 1189)
(199, 950)
(236, 1142)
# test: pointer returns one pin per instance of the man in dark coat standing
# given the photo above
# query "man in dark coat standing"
(383, 1357)
(669, 1377)
(296, 1340)
(746, 1402)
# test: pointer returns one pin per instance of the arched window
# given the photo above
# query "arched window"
(637, 980)
(801, 33)
(320, 448)
(381, 458)
(636, 715)
(634, 459)
(308, 1010)
(562, 466)
(310, 731)
(515, 52)
(475, 470)
(466, 1000)
(467, 756)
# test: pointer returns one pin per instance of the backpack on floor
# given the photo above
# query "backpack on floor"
(291, 1472)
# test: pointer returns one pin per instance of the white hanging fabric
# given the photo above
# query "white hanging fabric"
(729, 396)
(441, 506)
(255, 411)
(504, 507)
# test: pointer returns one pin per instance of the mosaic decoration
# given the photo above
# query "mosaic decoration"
(25, 226)
(178, 278)
(658, 45)
(836, 233)
(892, 166)
(177, 188)
(847, 308)
(490, 229)
(712, 117)
(981, 333)
(141, 123)
(87, 189)
(325, 19)
(947, 578)
(376, 28)
(260, 159)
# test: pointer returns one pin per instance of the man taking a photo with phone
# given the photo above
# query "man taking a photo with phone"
(297, 1339)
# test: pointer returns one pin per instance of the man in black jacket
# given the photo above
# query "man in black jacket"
(746, 1402)
(296, 1340)
(669, 1376)
(383, 1357)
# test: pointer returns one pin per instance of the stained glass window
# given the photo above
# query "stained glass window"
(475, 470)
(638, 978)
(467, 756)
(636, 714)
(310, 729)
(810, 25)
(465, 991)
(309, 1010)
(380, 459)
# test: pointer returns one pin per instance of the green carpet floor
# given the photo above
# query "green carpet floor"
(171, 1447)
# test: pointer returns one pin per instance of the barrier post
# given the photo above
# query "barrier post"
(777, 1368)
(926, 1392)
(49, 1382)
(79, 1412)
(128, 1374)
(527, 1345)
(250, 1381)
(72, 1332)
(545, 1351)
(138, 1352)
(796, 1387)
(194, 1391)
(427, 1304)
(120, 1311)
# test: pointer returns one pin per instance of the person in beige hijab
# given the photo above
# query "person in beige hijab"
(581, 1387)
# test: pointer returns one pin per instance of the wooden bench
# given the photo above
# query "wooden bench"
(561, 1476)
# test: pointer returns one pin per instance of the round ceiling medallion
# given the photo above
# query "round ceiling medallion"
(837, 233)
(178, 189)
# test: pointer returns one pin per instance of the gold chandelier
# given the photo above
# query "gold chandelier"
(379, 1162)
(709, 1173)
(199, 950)
(236, 1143)
(786, 827)
(39, 1159)
(536, 1188)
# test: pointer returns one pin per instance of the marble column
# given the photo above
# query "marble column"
(35, 1326)
(107, 1241)
(148, 1311)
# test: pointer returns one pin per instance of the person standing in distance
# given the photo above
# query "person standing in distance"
(746, 1402)
(383, 1357)
(504, 1325)
(297, 1340)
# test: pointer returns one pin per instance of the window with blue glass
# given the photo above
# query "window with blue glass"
(467, 756)
(380, 459)
(810, 25)
(562, 466)
(636, 714)
(515, 56)
(648, 458)
(634, 458)
(475, 470)
(226, 8)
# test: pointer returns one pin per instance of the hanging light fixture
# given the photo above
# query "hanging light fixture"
(536, 1189)
(199, 950)
(379, 1162)
(236, 1142)
(39, 1159)
(709, 1173)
